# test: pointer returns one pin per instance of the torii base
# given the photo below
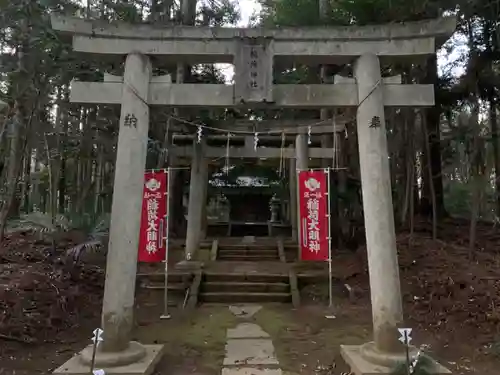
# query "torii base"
(352, 355)
(145, 366)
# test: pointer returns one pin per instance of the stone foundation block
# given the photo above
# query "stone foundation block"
(360, 366)
(145, 366)
(250, 371)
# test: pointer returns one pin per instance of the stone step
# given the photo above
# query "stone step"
(173, 277)
(247, 258)
(245, 287)
(245, 277)
(248, 247)
(232, 297)
(247, 252)
(161, 286)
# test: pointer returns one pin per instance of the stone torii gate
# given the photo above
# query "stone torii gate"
(253, 52)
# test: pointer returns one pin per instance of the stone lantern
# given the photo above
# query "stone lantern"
(274, 205)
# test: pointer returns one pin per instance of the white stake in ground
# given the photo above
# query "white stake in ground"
(406, 339)
(165, 314)
(96, 339)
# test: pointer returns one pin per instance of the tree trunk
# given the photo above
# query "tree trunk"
(25, 201)
(433, 116)
(85, 160)
(409, 158)
(99, 179)
(62, 184)
(17, 126)
(103, 9)
(475, 204)
(62, 138)
(429, 171)
(154, 11)
(493, 122)
(478, 183)
(36, 198)
(496, 149)
(188, 11)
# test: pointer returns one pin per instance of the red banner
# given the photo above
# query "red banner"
(152, 244)
(313, 201)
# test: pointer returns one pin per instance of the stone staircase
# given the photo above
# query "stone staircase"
(248, 252)
(244, 288)
(178, 284)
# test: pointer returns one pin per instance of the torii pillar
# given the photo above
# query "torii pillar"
(385, 351)
(292, 182)
(301, 164)
(197, 194)
(117, 353)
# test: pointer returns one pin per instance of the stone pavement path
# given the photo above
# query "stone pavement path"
(249, 350)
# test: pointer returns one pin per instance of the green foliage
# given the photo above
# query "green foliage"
(220, 13)
(495, 348)
(467, 155)
(457, 198)
(125, 11)
(291, 13)
(39, 222)
(348, 12)
(96, 229)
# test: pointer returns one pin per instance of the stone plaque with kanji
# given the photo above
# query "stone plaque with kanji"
(253, 71)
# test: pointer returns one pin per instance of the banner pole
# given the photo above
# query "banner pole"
(330, 286)
(166, 315)
(298, 218)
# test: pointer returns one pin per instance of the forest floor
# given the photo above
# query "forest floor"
(451, 302)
